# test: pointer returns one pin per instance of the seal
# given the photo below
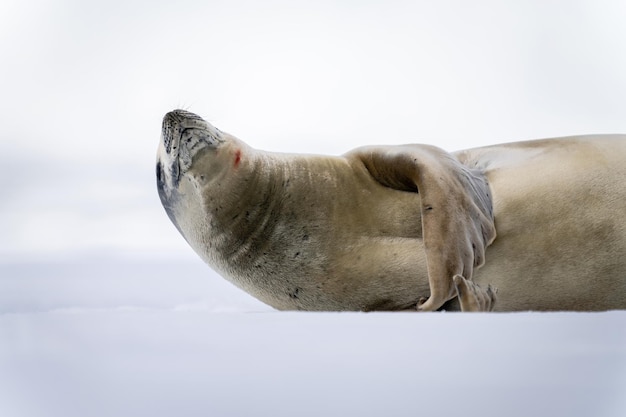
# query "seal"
(411, 227)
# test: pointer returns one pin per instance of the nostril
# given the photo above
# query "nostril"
(159, 172)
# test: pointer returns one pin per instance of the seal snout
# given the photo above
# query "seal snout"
(175, 123)
(184, 135)
(178, 116)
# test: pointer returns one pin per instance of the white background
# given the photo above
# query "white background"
(104, 308)
(84, 86)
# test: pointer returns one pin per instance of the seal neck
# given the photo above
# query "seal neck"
(248, 206)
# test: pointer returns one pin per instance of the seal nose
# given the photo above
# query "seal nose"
(172, 124)
(178, 115)
(175, 121)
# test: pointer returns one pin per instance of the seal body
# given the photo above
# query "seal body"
(560, 207)
(386, 228)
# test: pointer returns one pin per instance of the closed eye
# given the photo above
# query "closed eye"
(186, 132)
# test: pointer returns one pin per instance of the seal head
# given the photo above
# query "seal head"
(183, 136)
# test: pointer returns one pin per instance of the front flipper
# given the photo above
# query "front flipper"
(472, 297)
(456, 210)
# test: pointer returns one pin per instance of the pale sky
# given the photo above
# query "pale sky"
(84, 86)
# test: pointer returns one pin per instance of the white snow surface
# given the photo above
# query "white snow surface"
(108, 338)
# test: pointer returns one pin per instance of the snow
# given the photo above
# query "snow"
(120, 338)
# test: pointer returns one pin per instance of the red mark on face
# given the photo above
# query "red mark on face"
(237, 157)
